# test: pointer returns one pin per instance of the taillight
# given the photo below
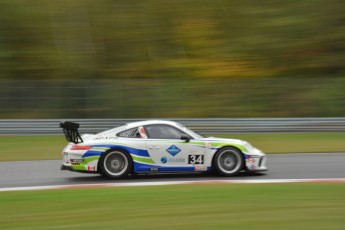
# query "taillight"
(80, 147)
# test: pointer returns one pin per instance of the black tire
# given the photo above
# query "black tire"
(115, 164)
(228, 161)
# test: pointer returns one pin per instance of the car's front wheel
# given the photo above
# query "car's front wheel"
(116, 164)
(228, 161)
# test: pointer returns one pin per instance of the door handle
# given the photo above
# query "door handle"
(154, 147)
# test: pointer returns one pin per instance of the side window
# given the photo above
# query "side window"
(130, 133)
(163, 132)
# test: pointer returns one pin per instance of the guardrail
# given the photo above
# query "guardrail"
(209, 126)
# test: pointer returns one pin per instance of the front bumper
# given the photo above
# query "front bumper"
(256, 161)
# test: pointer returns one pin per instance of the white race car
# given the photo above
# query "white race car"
(156, 146)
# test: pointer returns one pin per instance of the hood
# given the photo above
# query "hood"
(244, 146)
(227, 140)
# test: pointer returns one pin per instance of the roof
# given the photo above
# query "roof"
(149, 122)
(135, 124)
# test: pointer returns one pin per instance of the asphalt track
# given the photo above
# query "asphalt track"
(282, 166)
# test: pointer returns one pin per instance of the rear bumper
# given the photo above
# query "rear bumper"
(64, 167)
(69, 168)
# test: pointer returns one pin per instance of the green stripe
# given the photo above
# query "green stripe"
(89, 159)
(202, 143)
(142, 159)
(78, 167)
(223, 144)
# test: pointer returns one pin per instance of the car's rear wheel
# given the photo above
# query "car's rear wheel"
(116, 164)
(228, 161)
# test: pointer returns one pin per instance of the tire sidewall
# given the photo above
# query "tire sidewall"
(124, 174)
(234, 151)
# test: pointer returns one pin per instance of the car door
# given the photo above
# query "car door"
(166, 148)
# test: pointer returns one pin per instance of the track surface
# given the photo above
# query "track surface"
(283, 166)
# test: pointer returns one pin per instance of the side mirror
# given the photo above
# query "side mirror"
(185, 137)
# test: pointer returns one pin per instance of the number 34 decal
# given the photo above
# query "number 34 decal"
(196, 159)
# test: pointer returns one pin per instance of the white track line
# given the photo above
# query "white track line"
(264, 181)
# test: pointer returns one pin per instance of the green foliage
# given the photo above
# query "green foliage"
(224, 53)
(151, 38)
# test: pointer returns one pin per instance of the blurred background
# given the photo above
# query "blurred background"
(192, 59)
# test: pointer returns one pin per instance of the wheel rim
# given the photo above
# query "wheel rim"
(229, 161)
(115, 163)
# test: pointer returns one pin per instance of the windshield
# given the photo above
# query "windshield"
(190, 132)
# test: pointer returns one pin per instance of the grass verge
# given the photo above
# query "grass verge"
(295, 142)
(259, 206)
(15, 148)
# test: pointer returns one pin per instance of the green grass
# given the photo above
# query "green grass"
(295, 142)
(260, 206)
(14, 148)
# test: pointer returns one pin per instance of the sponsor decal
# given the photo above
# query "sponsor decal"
(200, 168)
(173, 150)
(196, 159)
(77, 160)
(251, 160)
(153, 169)
(253, 167)
(164, 160)
(91, 168)
(176, 160)
(104, 138)
(172, 160)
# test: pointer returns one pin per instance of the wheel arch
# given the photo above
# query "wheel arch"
(226, 146)
(103, 154)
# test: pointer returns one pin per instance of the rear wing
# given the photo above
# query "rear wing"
(70, 129)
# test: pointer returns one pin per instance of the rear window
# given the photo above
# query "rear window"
(130, 133)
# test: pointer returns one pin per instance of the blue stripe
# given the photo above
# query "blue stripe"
(138, 152)
(139, 167)
(92, 153)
